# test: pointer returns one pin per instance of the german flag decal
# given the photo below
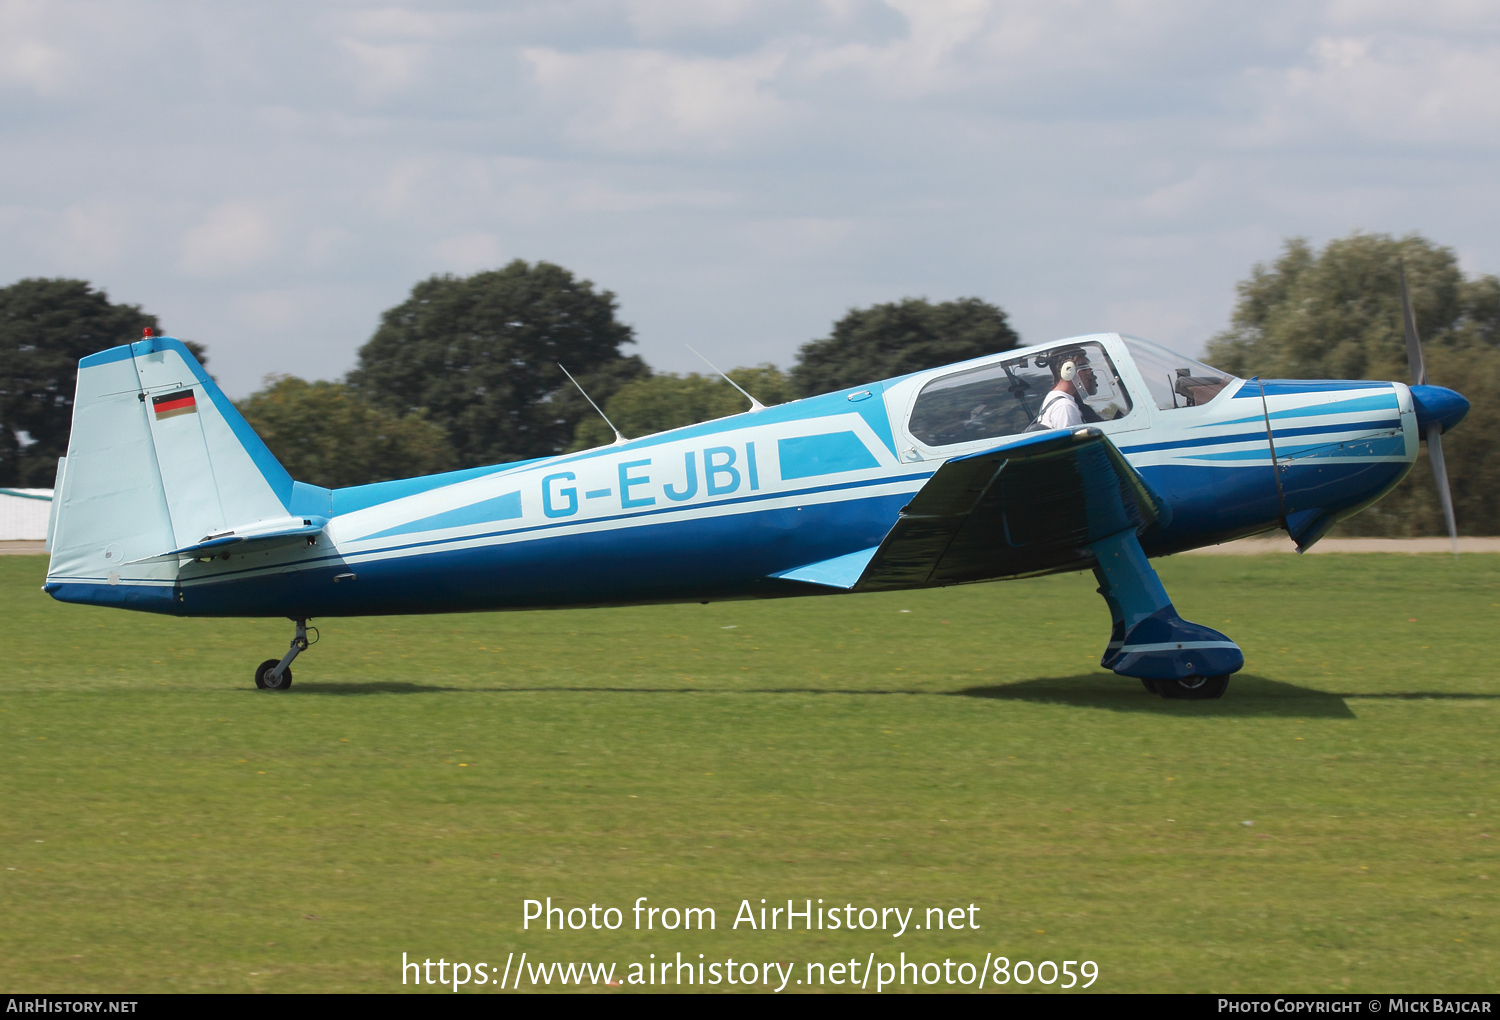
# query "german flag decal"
(170, 405)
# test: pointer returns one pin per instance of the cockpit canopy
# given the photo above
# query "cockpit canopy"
(1174, 381)
(1005, 398)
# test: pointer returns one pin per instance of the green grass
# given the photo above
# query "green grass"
(164, 826)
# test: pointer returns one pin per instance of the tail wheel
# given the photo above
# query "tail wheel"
(266, 682)
(1193, 688)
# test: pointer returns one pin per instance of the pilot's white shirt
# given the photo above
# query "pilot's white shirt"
(1060, 411)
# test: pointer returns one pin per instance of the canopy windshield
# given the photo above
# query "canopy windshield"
(1006, 398)
(1175, 382)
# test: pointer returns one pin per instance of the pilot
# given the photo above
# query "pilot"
(1064, 406)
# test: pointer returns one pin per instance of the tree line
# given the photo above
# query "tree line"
(467, 371)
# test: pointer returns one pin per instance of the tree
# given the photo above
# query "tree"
(46, 326)
(657, 403)
(887, 340)
(323, 433)
(1336, 314)
(480, 355)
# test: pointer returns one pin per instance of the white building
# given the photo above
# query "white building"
(23, 514)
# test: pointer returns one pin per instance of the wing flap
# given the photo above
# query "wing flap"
(1029, 506)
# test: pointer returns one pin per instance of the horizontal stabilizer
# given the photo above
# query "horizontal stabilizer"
(838, 572)
(1029, 506)
(255, 537)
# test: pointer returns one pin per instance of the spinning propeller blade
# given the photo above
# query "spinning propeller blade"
(1440, 475)
(1434, 435)
(1413, 344)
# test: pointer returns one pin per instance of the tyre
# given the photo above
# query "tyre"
(266, 682)
(1193, 688)
(1150, 686)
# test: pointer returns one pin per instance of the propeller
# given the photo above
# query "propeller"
(1434, 428)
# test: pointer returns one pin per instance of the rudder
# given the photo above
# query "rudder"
(158, 460)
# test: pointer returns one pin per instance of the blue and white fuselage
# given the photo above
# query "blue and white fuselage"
(185, 511)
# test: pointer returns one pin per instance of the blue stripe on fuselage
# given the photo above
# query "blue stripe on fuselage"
(1247, 437)
(339, 558)
(1295, 387)
(1380, 446)
(725, 556)
(150, 598)
(827, 454)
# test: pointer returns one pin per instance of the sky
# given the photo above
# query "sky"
(269, 177)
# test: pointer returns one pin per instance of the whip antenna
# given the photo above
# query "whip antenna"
(755, 405)
(618, 437)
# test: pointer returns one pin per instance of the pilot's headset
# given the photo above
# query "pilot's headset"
(1074, 362)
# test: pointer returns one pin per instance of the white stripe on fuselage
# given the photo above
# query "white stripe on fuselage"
(1241, 425)
(354, 534)
(604, 470)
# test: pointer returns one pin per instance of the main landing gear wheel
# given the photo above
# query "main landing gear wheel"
(266, 682)
(1193, 688)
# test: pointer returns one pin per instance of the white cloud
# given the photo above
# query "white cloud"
(325, 245)
(741, 169)
(1397, 88)
(381, 69)
(405, 186)
(271, 309)
(926, 59)
(283, 117)
(1182, 197)
(27, 59)
(231, 238)
(1152, 318)
(639, 100)
(94, 232)
(987, 46)
(465, 253)
(802, 237)
(1465, 16)
(601, 196)
(660, 17)
(32, 63)
(392, 50)
(395, 23)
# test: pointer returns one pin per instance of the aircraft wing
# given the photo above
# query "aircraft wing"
(1029, 506)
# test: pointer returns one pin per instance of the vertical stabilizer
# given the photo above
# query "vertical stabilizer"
(158, 459)
(215, 472)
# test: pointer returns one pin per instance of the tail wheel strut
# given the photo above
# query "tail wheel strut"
(276, 674)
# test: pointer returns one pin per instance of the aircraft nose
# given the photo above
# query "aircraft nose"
(1438, 404)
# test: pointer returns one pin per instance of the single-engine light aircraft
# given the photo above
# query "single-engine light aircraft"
(168, 502)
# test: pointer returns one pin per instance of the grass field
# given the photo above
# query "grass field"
(167, 827)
